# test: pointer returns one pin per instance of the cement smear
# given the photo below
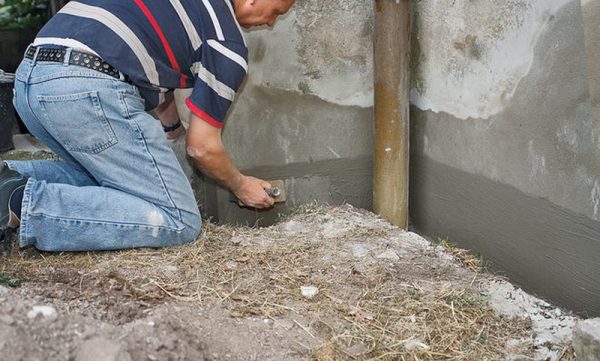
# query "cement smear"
(338, 181)
(544, 248)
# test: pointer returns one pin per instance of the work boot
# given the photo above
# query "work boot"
(6, 238)
(11, 182)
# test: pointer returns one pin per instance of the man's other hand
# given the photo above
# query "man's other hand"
(251, 192)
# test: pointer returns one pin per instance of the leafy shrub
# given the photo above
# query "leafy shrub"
(23, 14)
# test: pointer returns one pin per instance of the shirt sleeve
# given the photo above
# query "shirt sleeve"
(218, 75)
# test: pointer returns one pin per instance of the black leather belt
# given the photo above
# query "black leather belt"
(77, 58)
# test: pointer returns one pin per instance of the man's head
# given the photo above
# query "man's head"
(260, 12)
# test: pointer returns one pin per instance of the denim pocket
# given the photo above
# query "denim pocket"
(78, 122)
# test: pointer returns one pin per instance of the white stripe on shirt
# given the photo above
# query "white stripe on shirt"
(228, 2)
(187, 24)
(121, 29)
(228, 53)
(214, 19)
(66, 42)
(209, 78)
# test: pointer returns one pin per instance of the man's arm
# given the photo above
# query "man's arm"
(205, 147)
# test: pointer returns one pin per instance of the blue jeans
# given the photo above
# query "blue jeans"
(119, 184)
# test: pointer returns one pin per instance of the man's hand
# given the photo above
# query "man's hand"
(205, 147)
(251, 193)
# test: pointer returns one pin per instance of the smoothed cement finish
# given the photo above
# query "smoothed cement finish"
(549, 250)
(336, 180)
(520, 184)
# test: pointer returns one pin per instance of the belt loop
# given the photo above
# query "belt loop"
(27, 50)
(34, 59)
(67, 56)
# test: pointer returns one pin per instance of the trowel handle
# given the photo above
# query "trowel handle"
(273, 192)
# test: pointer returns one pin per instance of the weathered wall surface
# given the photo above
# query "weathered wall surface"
(591, 21)
(505, 144)
(305, 112)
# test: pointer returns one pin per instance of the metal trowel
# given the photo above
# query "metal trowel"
(277, 192)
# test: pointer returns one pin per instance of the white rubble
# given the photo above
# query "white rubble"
(44, 311)
(586, 339)
(551, 325)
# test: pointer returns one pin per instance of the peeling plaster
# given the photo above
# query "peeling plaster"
(319, 48)
(471, 55)
(595, 198)
(537, 162)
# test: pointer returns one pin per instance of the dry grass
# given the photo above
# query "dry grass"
(378, 311)
(465, 257)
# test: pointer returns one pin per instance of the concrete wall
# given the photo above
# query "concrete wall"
(505, 141)
(505, 131)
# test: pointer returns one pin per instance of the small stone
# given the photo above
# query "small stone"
(416, 344)
(390, 254)
(231, 265)
(7, 320)
(42, 311)
(102, 349)
(285, 324)
(309, 291)
(360, 268)
(171, 268)
(557, 312)
(586, 340)
(4, 290)
(359, 250)
(357, 350)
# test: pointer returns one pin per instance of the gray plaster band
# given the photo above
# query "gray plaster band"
(546, 249)
(334, 181)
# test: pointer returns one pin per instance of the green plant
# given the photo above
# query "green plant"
(9, 282)
(23, 14)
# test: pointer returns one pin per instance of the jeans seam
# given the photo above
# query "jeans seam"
(71, 74)
(25, 206)
(154, 164)
(132, 225)
(162, 180)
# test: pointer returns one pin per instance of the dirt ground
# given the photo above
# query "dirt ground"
(323, 284)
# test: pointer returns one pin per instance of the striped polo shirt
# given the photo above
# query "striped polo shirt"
(161, 45)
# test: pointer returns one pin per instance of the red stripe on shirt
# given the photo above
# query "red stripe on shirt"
(163, 39)
(202, 114)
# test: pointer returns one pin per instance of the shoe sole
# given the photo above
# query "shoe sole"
(12, 183)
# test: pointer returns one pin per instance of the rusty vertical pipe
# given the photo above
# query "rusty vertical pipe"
(391, 155)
